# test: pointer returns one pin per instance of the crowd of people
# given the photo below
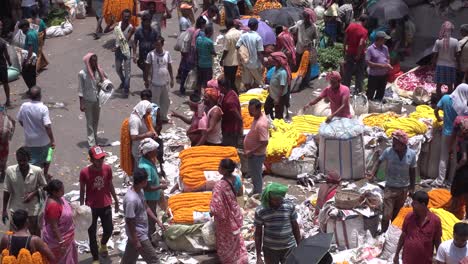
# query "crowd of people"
(42, 219)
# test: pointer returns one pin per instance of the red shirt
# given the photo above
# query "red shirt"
(354, 34)
(53, 211)
(98, 184)
(336, 100)
(419, 240)
(230, 124)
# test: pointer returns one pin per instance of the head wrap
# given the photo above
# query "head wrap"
(401, 136)
(312, 15)
(446, 32)
(213, 93)
(460, 99)
(89, 70)
(273, 190)
(280, 57)
(147, 145)
(333, 75)
(285, 41)
(142, 108)
(333, 177)
(213, 83)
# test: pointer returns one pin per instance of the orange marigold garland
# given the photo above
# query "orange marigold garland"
(303, 67)
(112, 11)
(262, 5)
(183, 206)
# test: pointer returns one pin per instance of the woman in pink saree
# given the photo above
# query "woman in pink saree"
(227, 216)
(58, 230)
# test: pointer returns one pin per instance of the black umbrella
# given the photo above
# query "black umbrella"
(389, 9)
(312, 250)
(286, 16)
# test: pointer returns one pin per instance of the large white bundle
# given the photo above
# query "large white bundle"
(346, 232)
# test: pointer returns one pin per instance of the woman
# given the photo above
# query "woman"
(278, 97)
(40, 27)
(459, 190)
(285, 43)
(58, 230)
(21, 238)
(140, 127)
(227, 216)
(328, 189)
(153, 196)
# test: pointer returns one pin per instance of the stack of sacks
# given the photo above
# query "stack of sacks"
(378, 120)
(308, 124)
(195, 161)
(283, 138)
(411, 126)
(425, 112)
(183, 206)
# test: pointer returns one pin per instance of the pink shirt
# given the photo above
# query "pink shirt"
(258, 132)
(336, 100)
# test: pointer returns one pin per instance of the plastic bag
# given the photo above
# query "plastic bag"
(191, 81)
(421, 96)
(107, 88)
(360, 104)
(208, 233)
(82, 217)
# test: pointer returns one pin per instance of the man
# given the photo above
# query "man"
(4, 63)
(306, 32)
(211, 15)
(97, 187)
(278, 97)
(400, 176)
(277, 232)
(97, 6)
(232, 118)
(22, 188)
(232, 10)
(213, 135)
(255, 144)
(197, 122)
(464, 53)
(145, 36)
(454, 251)
(154, 190)
(158, 12)
(123, 32)
(88, 92)
(185, 17)
(337, 94)
(136, 222)
(445, 58)
(34, 117)
(252, 74)
(229, 59)
(378, 60)
(159, 62)
(27, 7)
(354, 48)
(346, 14)
(31, 45)
(205, 52)
(421, 233)
(7, 129)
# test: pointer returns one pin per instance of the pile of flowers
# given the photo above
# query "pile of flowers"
(183, 205)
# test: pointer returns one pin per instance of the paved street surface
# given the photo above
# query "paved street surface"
(59, 83)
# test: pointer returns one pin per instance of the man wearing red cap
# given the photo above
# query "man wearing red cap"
(337, 94)
(97, 187)
(400, 175)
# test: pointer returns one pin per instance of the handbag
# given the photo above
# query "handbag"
(191, 81)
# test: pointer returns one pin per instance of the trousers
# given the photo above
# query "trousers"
(123, 69)
(92, 111)
(161, 98)
(230, 76)
(354, 68)
(376, 87)
(105, 214)
(446, 159)
(255, 171)
(147, 252)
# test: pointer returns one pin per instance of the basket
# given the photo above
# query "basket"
(347, 199)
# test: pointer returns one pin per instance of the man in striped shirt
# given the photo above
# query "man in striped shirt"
(276, 227)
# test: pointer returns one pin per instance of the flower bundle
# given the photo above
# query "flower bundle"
(378, 120)
(183, 205)
(283, 138)
(24, 257)
(411, 126)
(112, 11)
(426, 112)
(246, 97)
(303, 66)
(196, 160)
(247, 120)
(308, 124)
(262, 5)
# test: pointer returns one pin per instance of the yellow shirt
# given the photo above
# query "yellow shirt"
(230, 41)
(18, 186)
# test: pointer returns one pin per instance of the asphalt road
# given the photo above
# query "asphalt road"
(59, 84)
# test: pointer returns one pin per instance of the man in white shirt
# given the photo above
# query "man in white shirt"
(159, 62)
(253, 70)
(454, 251)
(229, 60)
(34, 118)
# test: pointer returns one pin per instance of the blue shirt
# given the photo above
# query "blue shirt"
(277, 226)
(153, 178)
(397, 170)
(278, 79)
(32, 39)
(446, 104)
(205, 50)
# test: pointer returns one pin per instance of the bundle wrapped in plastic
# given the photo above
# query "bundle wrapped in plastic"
(341, 128)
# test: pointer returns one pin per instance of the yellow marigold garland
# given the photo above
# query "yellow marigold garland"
(411, 126)
(184, 204)
(246, 118)
(426, 112)
(308, 124)
(283, 138)
(246, 97)
(378, 120)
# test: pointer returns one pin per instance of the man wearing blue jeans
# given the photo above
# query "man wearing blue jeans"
(255, 144)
